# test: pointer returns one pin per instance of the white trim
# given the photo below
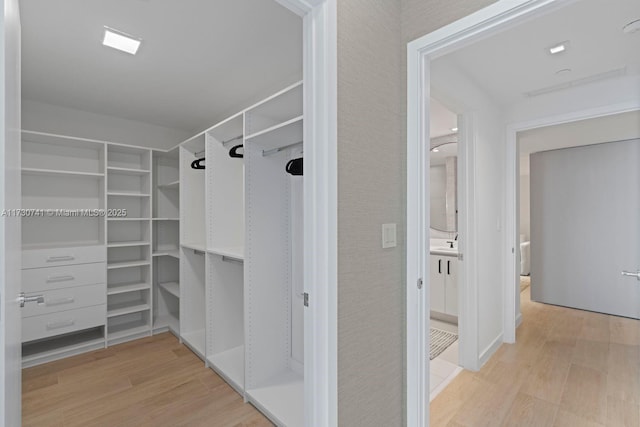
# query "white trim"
(491, 348)
(496, 17)
(519, 320)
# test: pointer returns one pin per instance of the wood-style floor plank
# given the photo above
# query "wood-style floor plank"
(154, 381)
(567, 368)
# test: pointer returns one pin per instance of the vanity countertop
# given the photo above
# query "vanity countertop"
(443, 251)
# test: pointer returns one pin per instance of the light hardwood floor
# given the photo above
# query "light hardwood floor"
(150, 382)
(567, 368)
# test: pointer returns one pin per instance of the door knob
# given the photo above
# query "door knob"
(632, 274)
(22, 299)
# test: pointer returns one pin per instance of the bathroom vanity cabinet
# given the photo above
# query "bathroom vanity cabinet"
(444, 284)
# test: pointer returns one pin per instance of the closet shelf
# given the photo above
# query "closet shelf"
(174, 253)
(283, 397)
(127, 308)
(281, 135)
(61, 245)
(127, 329)
(52, 172)
(127, 219)
(172, 287)
(230, 365)
(125, 194)
(166, 219)
(128, 171)
(169, 320)
(127, 244)
(195, 246)
(64, 346)
(230, 252)
(123, 288)
(127, 264)
(171, 185)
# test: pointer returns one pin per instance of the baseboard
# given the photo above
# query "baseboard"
(518, 320)
(490, 350)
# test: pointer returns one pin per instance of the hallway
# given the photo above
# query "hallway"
(567, 368)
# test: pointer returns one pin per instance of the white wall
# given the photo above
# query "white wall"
(458, 91)
(41, 117)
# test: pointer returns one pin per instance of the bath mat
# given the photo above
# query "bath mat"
(440, 341)
(525, 282)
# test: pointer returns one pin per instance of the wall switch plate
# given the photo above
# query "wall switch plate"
(389, 236)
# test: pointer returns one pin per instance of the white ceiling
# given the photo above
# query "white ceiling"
(517, 61)
(442, 120)
(199, 62)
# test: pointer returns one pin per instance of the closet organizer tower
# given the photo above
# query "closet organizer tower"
(213, 255)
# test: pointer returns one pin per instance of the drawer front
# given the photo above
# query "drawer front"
(38, 258)
(49, 325)
(66, 299)
(46, 279)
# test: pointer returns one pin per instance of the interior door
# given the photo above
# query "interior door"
(585, 228)
(10, 255)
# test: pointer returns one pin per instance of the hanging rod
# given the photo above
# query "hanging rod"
(277, 150)
(235, 138)
(199, 154)
(198, 252)
(231, 259)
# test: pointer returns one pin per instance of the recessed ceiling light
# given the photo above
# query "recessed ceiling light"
(454, 129)
(121, 41)
(435, 150)
(632, 27)
(560, 47)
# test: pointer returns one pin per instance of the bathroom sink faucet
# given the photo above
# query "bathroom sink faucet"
(450, 242)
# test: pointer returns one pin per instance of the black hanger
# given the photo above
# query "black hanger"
(234, 151)
(294, 166)
(196, 164)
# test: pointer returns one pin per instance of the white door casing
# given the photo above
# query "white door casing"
(492, 19)
(10, 235)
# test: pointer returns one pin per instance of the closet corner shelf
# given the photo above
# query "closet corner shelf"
(128, 171)
(281, 135)
(173, 254)
(170, 186)
(236, 253)
(52, 172)
(127, 329)
(127, 244)
(127, 264)
(121, 194)
(122, 288)
(167, 320)
(127, 308)
(282, 397)
(172, 287)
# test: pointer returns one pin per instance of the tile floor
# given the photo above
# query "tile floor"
(444, 368)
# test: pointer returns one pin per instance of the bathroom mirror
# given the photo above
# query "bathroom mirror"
(443, 176)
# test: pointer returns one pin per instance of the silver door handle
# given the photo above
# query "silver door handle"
(22, 299)
(632, 274)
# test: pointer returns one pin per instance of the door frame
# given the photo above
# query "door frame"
(494, 18)
(320, 209)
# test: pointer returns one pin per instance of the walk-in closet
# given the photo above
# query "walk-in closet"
(198, 234)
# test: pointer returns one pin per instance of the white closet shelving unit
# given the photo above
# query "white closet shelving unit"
(63, 255)
(166, 241)
(129, 239)
(192, 247)
(274, 342)
(225, 251)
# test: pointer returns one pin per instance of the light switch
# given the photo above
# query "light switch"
(389, 236)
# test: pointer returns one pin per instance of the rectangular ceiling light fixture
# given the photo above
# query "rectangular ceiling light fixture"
(121, 41)
(560, 47)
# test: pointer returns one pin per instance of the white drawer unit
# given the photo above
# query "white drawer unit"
(46, 279)
(66, 299)
(48, 325)
(53, 257)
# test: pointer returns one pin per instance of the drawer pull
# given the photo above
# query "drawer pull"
(60, 324)
(53, 279)
(61, 301)
(60, 258)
